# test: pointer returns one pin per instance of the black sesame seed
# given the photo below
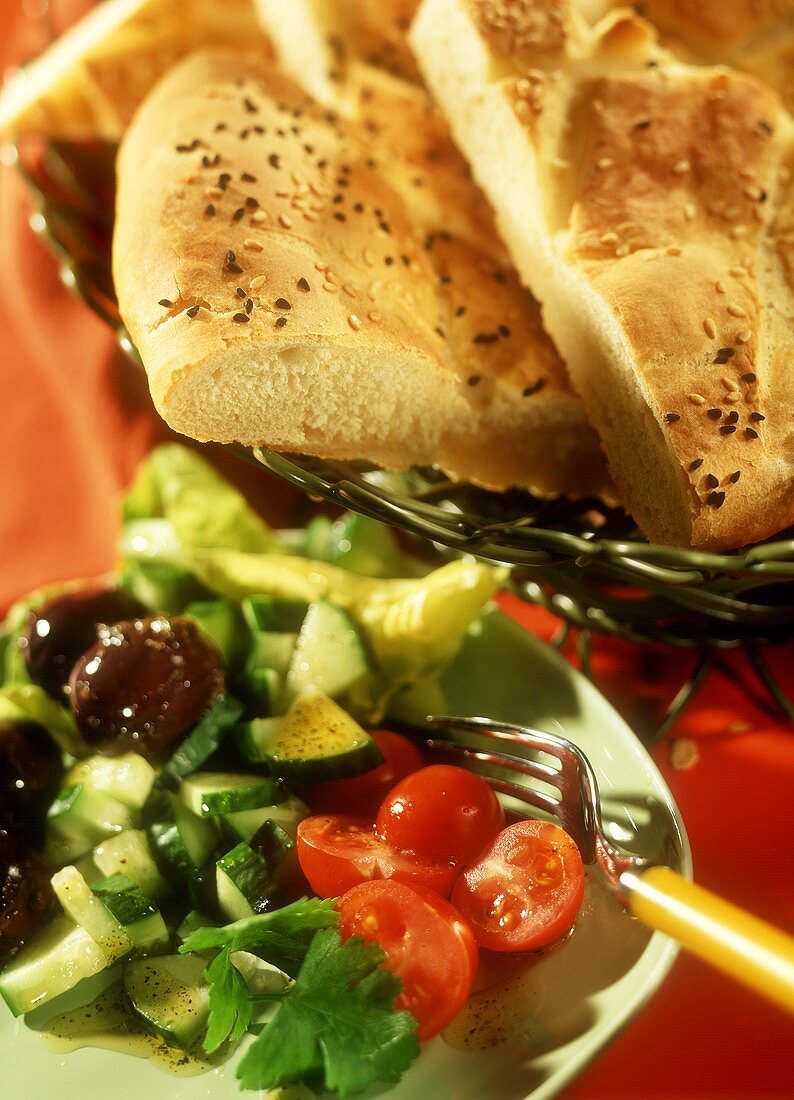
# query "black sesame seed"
(727, 429)
(234, 267)
(711, 481)
(473, 379)
(303, 283)
(240, 292)
(194, 144)
(249, 306)
(757, 416)
(210, 211)
(714, 414)
(643, 124)
(749, 377)
(671, 418)
(274, 160)
(244, 134)
(751, 433)
(166, 303)
(339, 216)
(241, 318)
(734, 477)
(239, 214)
(535, 388)
(696, 463)
(500, 277)
(765, 127)
(220, 127)
(732, 416)
(460, 311)
(252, 203)
(486, 338)
(192, 312)
(723, 355)
(388, 260)
(715, 499)
(504, 331)
(246, 177)
(280, 322)
(250, 106)
(282, 303)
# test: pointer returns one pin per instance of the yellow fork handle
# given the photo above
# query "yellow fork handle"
(743, 946)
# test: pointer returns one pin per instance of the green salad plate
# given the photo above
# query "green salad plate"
(532, 1026)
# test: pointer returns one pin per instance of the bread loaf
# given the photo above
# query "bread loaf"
(648, 205)
(283, 289)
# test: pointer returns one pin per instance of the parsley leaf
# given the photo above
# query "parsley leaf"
(230, 1002)
(337, 1023)
(282, 936)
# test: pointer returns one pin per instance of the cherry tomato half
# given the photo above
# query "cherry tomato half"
(364, 793)
(339, 851)
(426, 943)
(525, 889)
(441, 812)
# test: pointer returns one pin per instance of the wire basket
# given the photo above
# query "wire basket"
(582, 560)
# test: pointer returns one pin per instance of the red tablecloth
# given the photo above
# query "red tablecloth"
(75, 423)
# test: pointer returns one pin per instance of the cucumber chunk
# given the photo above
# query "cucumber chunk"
(82, 817)
(254, 737)
(245, 883)
(81, 904)
(329, 654)
(208, 794)
(126, 778)
(318, 740)
(138, 916)
(129, 854)
(54, 961)
(224, 624)
(245, 824)
(202, 741)
(266, 614)
(181, 843)
(170, 996)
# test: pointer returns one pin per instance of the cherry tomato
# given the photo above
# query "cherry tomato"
(525, 889)
(339, 851)
(364, 793)
(426, 943)
(441, 812)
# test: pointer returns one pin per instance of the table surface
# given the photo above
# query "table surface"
(77, 421)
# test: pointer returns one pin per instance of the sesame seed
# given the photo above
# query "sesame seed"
(253, 245)
(473, 379)
(166, 303)
(744, 337)
(738, 231)
(192, 312)
(528, 391)
(710, 327)
(349, 290)
(732, 416)
(375, 316)
(259, 218)
(210, 211)
(736, 310)
(690, 210)
(282, 303)
(258, 282)
(728, 383)
(331, 287)
(681, 167)
(751, 433)
(714, 414)
(274, 160)
(251, 202)
(671, 418)
(621, 251)
(285, 221)
(697, 398)
(281, 322)
(504, 331)
(715, 499)
(720, 286)
(605, 162)
(711, 481)
(734, 477)
(749, 377)
(757, 416)
(723, 355)
(240, 292)
(733, 398)
(246, 177)
(609, 238)
(241, 318)
(249, 306)
(727, 429)
(303, 283)
(238, 215)
(354, 322)
(696, 463)
(672, 250)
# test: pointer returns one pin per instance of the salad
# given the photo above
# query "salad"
(205, 831)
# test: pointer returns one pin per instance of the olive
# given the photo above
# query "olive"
(143, 684)
(30, 774)
(25, 894)
(58, 631)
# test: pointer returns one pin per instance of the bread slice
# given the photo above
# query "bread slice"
(277, 271)
(86, 86)
(646, 203)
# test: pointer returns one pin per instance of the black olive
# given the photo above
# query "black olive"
(25, 894)
(63, 628)
(144, 684)
(30, 774)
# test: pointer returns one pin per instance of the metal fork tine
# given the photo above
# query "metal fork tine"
(523, 793)
(504, 731)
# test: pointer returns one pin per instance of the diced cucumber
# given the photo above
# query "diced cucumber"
(364, 546)
(138, 916)
(81, 904)
(208, 794)
(329, 654)
(170, 996)
(162, 586)
(272, 650)
(129, 854)
(245, 824)
(316, 538)
(192, 922)
(267, 614)
(181, 843)
(245, 883)
(223, 622)
(82, 817)
(262, 688)
(126, 778)
(202, 741)
(53, 962)
(318, 741)
(254, 738)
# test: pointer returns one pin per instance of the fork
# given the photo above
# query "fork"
(741, 945)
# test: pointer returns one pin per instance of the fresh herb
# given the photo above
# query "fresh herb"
(230, 1002)
(337, 1024)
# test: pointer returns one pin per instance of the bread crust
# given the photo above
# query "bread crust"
(281, 290)
(641, 200)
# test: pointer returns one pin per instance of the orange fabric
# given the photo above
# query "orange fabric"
(76, 420)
